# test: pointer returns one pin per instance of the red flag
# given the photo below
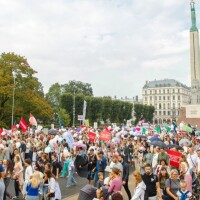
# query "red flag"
(32, 120)
(174, 158)
(105, 135)
(1, 131)
(23, 125)
(91, 136)
(106, 128)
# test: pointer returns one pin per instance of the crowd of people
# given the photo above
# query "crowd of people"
(35, 162)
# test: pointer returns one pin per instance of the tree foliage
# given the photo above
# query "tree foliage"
(29, 96)
(143, 111)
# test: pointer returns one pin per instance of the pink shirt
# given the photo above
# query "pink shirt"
(188, 180)
(116, 185)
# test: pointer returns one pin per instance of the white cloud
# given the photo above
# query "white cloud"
(113, 44)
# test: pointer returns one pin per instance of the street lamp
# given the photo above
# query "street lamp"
(13, 100)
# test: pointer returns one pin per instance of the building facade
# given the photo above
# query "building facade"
(167, 96)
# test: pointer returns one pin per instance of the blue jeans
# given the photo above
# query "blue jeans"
(70, 179)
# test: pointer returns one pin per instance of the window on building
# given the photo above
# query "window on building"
(173, 97)
(160, 106)
(169, 113)
(179, 98)
(168, 98)
(173, 105)
(178, 90)
(145, 98)
(168, 106)
(155, 98)
(155, 112)
(150, 91)
(173, 91)
(164, 113)
(159, 97)
(145, 92)
(155, 91)
(164, 98)
(163, 105)
(179, 105)
(160, 91)
(155, 106)
(168, 91)
(160, 113)
(150, 98)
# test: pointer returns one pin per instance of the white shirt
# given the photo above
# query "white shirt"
(155, 160)
(198, 164)
(192, 160)
(52, 185)
(28, 172)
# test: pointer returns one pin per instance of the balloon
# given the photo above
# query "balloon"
(18, 144)
(134, 129)
(47, 150)
(138, 128)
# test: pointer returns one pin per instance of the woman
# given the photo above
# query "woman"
(28, 174)
(162, 177)
(48, 176)
(172, 186)
(32, 188)
(185, 175)
(140, 187)
(8, 169)
(116, 184)
(163, 163)
(18, 175)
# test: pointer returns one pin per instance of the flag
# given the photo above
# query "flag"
(174, 158)
(105, 135)
(84, 110)
(23, 125)
(91, 136)
(158, 129)
(168, 128)
(144, 130)
(32, 120)
(187, 128)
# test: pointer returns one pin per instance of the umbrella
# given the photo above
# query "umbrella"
(79, 144)
(53, 132)
(155, 139)
(184, 141)
(159, 144)
(175, 146)
(142, 136)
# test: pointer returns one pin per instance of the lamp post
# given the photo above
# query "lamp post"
(13, 100)
(74, 108)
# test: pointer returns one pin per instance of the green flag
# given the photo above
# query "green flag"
(144, 130)
(187, 128)
(158, 129)
(168, 128)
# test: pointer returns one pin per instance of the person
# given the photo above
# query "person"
(116, 164)
(117, 196)
(183, 193)
(100, 180)
(155, 158)
(163, 163)
(18, 176)
(185, 175)
(55, 166)
(152, 184)
(140, 187)
(100, 166)
(163, 156)
(116, 183)
(198, 165)
(51, 184)
(125, 176)
(8, 169)
(32, 188)
(28, 174)
(148, 156)
(172, 186)
(192, 158)
(2, 185)
(162, 177)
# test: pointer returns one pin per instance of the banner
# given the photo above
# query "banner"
(92, 136)
(105, 135)
(84, 110)
(23, 125)
(69, 138)
(174, 158)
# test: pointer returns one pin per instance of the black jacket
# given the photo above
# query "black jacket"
(125, 171)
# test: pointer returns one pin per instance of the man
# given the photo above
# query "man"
(162, 156)
(152, 184)
(198, 165)
(55, 166)
(125, 176)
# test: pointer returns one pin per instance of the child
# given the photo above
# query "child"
(182, 193)
(100, 181)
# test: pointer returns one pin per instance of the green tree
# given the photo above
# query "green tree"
(107, 108)
(64, 117)
(78, 87)
(29, 96)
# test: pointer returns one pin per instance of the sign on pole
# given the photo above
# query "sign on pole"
(95, 125)
(80, 117)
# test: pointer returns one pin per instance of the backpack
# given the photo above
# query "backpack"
(23, 147)
(183, 195)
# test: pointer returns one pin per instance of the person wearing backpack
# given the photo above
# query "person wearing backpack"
(183, 193)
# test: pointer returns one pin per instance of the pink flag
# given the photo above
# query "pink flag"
(32, 120)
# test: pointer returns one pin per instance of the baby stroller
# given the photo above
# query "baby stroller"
(87, 193)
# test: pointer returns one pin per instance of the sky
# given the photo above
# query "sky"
(115, 45)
